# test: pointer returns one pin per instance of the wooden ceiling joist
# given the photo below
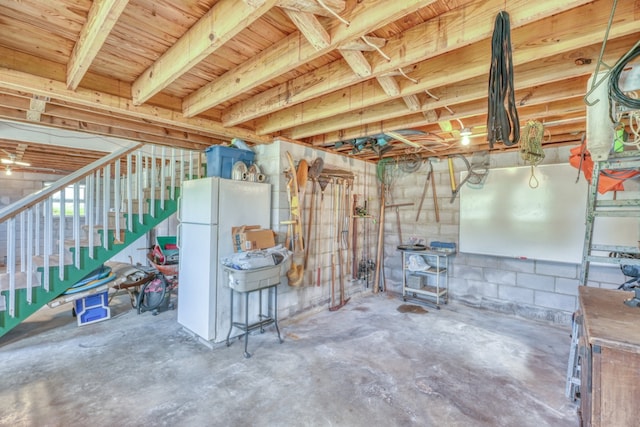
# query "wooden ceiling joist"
(223, 21)
(19, 81)
(103, 15)
(295, 51)
(404, 50)
(438, 72)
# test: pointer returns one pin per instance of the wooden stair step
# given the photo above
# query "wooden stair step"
(156, 193)
(135, 210)
(84, 242)
(38, 261)
(20, 280)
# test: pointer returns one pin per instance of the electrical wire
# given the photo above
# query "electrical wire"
(615, 93)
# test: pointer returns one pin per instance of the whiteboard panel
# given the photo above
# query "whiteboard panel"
(506, 217)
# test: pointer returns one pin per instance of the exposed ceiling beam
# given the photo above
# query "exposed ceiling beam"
(313, 6)
(466, 91)
(389, 85)
(311, 28)
(475, 108)
(364, 44)
(224, 20)
(357, 62)
(557, 68)
(103, 15)
(438, 71)
(294, 51)
(16, 80)
(99, 129)
(417, 44)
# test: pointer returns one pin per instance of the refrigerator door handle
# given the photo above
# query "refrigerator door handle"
(178, 229)
(178, 213)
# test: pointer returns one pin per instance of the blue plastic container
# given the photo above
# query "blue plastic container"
(220, 160)
(93, 308)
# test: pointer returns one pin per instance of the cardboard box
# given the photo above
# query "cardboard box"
(251, 237)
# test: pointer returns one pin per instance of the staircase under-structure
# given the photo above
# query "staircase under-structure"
(58, 235)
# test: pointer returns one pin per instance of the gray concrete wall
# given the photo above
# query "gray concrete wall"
(533, 289)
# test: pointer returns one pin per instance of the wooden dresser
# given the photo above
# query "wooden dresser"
(609, 349)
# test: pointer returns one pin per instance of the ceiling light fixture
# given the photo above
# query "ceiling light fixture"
(8, 170)
(465, 133)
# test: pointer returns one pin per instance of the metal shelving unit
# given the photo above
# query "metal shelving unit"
(437, 271)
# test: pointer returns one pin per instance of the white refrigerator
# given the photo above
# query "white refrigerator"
(208, 208)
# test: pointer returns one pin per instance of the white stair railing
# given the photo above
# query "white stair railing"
(30, 223)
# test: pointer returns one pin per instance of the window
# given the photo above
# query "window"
(68, 200)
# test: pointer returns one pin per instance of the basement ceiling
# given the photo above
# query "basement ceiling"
(327, 74)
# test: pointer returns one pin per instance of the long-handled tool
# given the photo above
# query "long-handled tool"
(424, 191)
(334, 222)
(296, 272)
(314, 173)
(380, 250)
(354, 238)
(435, 196)
(340, 208)
(322, 182)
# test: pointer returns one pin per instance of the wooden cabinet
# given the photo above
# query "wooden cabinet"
(609, 349)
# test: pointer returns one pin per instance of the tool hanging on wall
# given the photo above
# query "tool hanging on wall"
(424, 191)
(294, 238)
(354, 238)
(436, 208)
(323, 181)
(313, 174)
(476, 171)
(333, 233)
(339, 215)
(302, 173)
(379, 273)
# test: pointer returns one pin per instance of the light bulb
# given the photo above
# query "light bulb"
(465, 133)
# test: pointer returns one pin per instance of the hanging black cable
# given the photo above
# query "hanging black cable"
(502, 123)
(615, 93)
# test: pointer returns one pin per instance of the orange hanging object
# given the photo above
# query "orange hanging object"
(608, 180)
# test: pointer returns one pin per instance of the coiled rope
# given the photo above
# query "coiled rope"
(615, 93)
(531, 148)
(502, 123)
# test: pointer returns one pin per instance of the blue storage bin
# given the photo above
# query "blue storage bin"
(93, 308)
(220, 160)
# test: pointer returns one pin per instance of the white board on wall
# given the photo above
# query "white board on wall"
(506, 217)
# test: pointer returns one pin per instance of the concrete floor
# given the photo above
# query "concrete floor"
(377, 361)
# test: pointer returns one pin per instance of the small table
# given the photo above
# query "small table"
(263, 320)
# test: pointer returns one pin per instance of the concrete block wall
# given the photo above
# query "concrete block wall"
(529, 288)
(310, 296)
(533, 289)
